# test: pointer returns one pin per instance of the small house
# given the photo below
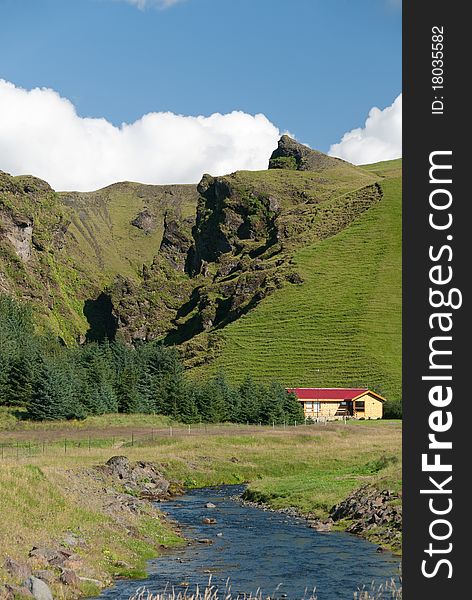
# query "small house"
(334, 403)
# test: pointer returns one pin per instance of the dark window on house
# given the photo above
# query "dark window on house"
(360, 405)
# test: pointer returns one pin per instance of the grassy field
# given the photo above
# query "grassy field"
(309, 467)
(12, 421)
(330, 460)
(342, 326)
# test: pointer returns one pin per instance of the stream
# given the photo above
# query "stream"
(259, 550)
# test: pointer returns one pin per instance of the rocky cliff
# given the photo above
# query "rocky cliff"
(172, 262)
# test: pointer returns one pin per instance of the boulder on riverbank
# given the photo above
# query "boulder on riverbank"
(375, 514)
(17, 569)
(140, 479)
(38, 588)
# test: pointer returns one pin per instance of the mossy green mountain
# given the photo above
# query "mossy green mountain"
(291, 273)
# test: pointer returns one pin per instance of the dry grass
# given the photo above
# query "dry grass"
(43, 504)
(388, 591)
(210, 592)
(230, 454)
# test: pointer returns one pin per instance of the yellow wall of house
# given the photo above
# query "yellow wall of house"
(373, 407)
(326, 409)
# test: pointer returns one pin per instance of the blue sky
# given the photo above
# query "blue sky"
(313, 67)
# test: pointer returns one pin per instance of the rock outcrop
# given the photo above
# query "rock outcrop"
(228, 218)
(373, 513)
(290, 154)
(140, 479)
(145, 221)
(177, 241)
(18, 230)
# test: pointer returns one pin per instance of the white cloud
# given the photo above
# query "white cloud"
(379, 139)
(142, 4)
(42, 135)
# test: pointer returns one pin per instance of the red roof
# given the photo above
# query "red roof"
(327, 393)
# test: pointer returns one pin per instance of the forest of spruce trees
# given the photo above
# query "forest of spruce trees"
(51, 381)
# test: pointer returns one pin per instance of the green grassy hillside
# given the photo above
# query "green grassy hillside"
(342, 326)
(60, 250)
(101, 239)
(291, 273)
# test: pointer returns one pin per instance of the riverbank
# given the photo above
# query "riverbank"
(77, 530)
(309, 468)
(369, 512)
(271, 551)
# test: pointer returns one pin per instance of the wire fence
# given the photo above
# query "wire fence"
(27, 443)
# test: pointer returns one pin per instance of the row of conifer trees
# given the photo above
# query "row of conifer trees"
(53, 381)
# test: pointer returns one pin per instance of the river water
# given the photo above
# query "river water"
(256, 549)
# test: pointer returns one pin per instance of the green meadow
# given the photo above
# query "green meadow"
(342, 326)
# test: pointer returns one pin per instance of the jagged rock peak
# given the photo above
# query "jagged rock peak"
(20, 184)
(290, 154)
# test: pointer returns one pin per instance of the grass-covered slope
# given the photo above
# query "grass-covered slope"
(101, 239)
(342, 326)
(60, 250)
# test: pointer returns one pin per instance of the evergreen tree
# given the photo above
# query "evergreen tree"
(212, 400)
(168, 389)
(52, 396)
(129, 400)
(20, 379)
(120, 353)
(7, 347)
(148, 380)
(273, 405)
(180, 401)
(292, 407)
(20, 351)
(99, 396)
(231, 398)
(250, 401)
(4, 372)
